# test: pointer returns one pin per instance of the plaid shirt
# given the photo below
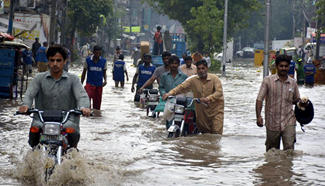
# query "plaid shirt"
(279, 97)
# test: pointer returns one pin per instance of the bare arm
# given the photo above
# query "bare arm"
(83, 75)
(181, 88)
(127, 76)
(105, 77)
(134, 81)
(258, 109)
(149, 82)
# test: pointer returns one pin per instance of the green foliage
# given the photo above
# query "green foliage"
(203, 19)
(321, 14)
(209, 23)
(215, 66)
(283, 12)
(85, 15)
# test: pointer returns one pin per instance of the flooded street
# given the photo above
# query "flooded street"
(121, 146)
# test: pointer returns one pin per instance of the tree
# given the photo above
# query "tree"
(84, 17)
(203, 19)
(321, 14)
(85, 14)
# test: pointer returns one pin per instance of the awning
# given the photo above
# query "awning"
(15, 43)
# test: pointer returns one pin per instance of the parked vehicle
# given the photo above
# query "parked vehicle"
(12, 70)
(183, 123)
(246, 52)
(53, 136)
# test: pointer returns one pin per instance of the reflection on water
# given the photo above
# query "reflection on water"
(201, 150)
(119, 145)
(277, 169)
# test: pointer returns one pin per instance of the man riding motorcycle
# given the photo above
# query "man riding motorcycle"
(56, 89)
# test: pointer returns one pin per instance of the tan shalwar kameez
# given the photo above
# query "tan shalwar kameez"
(209, 119)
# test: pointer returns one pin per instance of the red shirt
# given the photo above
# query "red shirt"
(158, 37)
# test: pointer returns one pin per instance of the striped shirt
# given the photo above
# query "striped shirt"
(279, 97)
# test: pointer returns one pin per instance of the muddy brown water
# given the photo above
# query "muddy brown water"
(121, 146)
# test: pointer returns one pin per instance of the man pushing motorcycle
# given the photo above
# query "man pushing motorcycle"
(207, 87)
(56, 89)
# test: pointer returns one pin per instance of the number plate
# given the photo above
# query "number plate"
(173, 128)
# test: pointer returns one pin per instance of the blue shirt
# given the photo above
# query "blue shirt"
(27, 57)
(292, 68)
(145, 73)
(309, 67)
(95, 71)
(168, 82)
(118, 70)
(41, 54)
(182, 61)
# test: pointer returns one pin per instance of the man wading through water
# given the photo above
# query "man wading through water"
(208, 88)
(280, 93)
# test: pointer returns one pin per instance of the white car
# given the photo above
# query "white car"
(219, 56)
(246, 52)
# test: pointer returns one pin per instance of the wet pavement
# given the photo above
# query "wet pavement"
(121, 146)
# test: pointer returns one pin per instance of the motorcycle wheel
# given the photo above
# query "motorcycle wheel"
(153, 114)
(48, 173)
(173, 134)
(147, 111)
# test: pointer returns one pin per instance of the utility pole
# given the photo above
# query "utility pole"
(225, 20)
(266, 42)
(63, 22)
(318, 31)
(130, 16)
(53, 21)
(11, 16)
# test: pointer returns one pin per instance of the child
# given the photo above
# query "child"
(118, 71)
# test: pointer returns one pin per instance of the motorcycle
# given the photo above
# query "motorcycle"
(183, 122)
(53, 137)
(152, 101)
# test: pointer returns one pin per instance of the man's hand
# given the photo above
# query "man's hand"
(85, 112)
(104, 83)
(127, 78)
(205, 100)
(259, 121)
(165, 96)
(140, 90)
(132, 89)
(23, 109)
(302, 103)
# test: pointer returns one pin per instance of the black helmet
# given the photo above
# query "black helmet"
(305, 116)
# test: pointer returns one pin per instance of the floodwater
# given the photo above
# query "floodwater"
(121, 146)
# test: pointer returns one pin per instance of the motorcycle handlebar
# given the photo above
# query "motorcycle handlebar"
(194, 99)
(29, 111)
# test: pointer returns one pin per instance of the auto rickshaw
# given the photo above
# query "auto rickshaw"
(12, 71)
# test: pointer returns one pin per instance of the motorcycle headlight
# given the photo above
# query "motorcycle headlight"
(179, 109)
(51, 129)
(154, 98)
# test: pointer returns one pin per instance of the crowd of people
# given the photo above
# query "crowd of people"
(302, 70)
(172, 79)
